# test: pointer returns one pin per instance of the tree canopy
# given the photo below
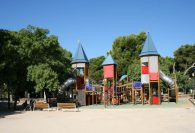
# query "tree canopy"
(96, 68)
(184, 57)
(31, 58)
(126, 49)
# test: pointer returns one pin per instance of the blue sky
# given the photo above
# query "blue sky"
(97, 23)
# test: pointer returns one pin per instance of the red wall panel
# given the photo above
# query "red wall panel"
(145, 70)
(109, 71)
(153, 76)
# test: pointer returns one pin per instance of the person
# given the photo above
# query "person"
(24, 105)
(32, 104)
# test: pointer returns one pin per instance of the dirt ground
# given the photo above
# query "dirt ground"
(153, 120)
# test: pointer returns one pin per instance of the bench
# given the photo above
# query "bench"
(64, 106)
(41, 106)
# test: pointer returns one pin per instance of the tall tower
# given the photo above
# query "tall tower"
(109, 66)
(150, 72)
(80, 64)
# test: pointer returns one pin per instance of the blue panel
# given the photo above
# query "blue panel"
(89, 87)
(137, 85)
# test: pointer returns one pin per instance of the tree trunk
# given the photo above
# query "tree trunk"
(8, 103)
(45, 95)
(15, 100)
(15, 103)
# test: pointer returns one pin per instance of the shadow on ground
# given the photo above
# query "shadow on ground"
(4, 111)
(3, 114)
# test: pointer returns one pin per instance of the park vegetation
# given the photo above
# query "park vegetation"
(33, 60)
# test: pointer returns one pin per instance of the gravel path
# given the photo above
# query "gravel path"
(153, 120)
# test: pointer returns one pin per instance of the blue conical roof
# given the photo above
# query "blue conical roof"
(80, 56)
(149, 47)
(109, 61)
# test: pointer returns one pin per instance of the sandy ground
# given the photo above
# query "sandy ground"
(153, 120)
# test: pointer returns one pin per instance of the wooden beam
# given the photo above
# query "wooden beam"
(133, 95)
(92, 97)
(168, 94)
(159, 91)
(142, 95)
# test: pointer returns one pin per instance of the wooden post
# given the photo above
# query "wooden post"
(150, 96)
(142, 96)
(85, 97)
(96, 97)
(176, 87)
(176, 90)
(112, 92)
(113, 82)
(84, 74)
(133, 95)
(159, 92)
(104, 89)
(92, 97)
(88, 98)
(168, 94)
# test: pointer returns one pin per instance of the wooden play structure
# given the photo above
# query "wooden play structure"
(109, 90)
(86, 93)
(151, 74)
(124, 93)
(146, 91)
(150, 71)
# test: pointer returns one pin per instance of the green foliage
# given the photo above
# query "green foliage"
(184, 57)
(125, 49)
(10, 62)
(96, 69)
(35, 49)
(43, 76)
(134, 71)
(183, 81)
(166, 65)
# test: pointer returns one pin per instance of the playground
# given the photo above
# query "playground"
(117, 105)
(113, 91)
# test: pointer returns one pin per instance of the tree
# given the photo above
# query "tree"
(40, 51)
(166, 65)
(43, 76)
(184, 57)
(96, 68)
(183, 81)
(125, 49)
(10, 64)
(134, 71)
(35, 49)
